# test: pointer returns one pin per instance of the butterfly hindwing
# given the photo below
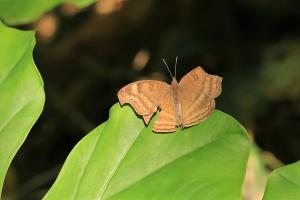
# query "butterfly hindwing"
(199, 110)
(166, 120)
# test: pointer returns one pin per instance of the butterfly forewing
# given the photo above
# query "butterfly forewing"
(198, 80)
(145, 97)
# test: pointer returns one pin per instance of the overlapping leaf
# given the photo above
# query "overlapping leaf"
(284, 183)
(21, 92)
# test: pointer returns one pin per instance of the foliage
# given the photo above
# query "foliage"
(284, 183)
(20, 12)
(281, 71)
(123, 159)
(21, 92)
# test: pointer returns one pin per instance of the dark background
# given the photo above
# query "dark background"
(85, 56)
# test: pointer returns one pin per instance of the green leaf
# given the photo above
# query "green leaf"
(21, 92)
(123, 159)
(25, 11)
(284, 183)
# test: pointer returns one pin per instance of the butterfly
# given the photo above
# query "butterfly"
(182, 104)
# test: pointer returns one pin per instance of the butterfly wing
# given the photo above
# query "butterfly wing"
(145, 97)
(197, 91)
(166, 120)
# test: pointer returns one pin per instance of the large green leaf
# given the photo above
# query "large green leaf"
(21, 92)
(123, 159)
(284, 183)
(25, 11)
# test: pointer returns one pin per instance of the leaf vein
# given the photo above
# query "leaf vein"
(171, 161)
(13, 116)
(287, 178)
(18, 61)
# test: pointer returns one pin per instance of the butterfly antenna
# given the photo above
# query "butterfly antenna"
(176, 66)
(167, 67)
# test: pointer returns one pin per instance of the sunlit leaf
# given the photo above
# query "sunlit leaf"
(123, 159)
(21, 92)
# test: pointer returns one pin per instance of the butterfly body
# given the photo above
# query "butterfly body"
(177, 103)
(182, 104)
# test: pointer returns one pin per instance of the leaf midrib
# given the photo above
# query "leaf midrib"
(74, 196)
(108, 181)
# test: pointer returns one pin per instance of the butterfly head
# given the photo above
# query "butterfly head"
(174, 82)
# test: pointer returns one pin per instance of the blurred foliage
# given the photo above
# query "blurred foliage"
(256, 173)
(86, 55)
(281, 72)
(25, 11)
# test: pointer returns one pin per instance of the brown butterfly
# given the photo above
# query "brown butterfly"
(182, 104)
